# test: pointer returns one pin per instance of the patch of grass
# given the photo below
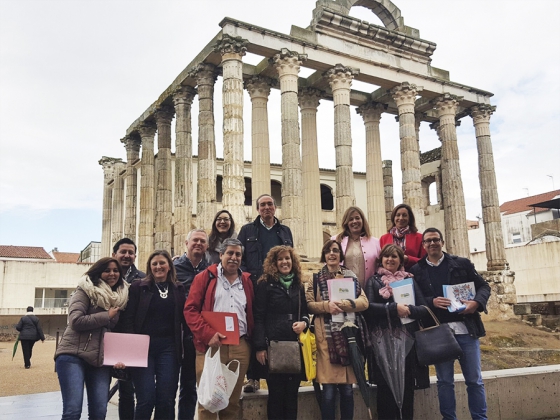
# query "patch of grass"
(506, 341)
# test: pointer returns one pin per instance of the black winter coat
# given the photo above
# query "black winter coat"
(376, 317)
(461, 270)
(253, 254)
(275, 309)
(29, 328)
(140, 295)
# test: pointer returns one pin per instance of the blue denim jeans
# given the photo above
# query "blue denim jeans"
(187, 390)
(470, 366)
(73, 373)
(156, 385)
(328, 401)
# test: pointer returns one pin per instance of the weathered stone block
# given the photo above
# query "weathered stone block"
(522, 309)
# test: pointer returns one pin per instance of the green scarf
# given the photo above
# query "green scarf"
(286, 281)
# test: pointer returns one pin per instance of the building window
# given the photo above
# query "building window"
(516, 238)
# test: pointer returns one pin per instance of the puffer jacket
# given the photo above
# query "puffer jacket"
(83, 336)
(29, 328)
(276, 309)
(253, 254)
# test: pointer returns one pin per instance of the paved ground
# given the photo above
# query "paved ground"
(44, 406)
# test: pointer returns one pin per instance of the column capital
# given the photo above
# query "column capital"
(340, 77)
(204, 73)
(371, 111)
(131, 144)
(259, 86)
(164, 114)
(147, 129)
(231, 45)
(405, 93)
(288, 62)
(481, 113)
(184, 95)
(109, 165)
(309, 98)
(446, 104)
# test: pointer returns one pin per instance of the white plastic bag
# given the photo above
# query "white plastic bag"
(216, 383)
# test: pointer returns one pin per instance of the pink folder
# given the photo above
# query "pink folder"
(130, 349)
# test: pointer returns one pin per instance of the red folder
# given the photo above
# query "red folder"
(225, 323)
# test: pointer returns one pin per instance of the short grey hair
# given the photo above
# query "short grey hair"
(194, 231)
(230, 242)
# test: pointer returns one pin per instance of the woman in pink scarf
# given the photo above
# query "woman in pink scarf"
(383, 309)
(404, 234)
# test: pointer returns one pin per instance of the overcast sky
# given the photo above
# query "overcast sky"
(74, 74)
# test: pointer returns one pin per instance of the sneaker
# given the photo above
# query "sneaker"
(252, 385)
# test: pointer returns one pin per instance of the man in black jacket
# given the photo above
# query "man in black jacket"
(432, 273)
(258, 237)
(124, 251)
(188, 266)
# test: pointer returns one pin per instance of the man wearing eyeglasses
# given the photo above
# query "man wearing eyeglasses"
(188, 266)
(432, 272)
(222, 287)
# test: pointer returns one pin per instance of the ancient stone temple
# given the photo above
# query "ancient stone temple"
(156, 197)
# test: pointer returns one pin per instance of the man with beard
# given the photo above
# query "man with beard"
(124, 251)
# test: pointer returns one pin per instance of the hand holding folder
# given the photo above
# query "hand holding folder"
(225, 323)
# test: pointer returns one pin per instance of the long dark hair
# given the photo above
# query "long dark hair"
(214, 238)
(411, 219)
(95, 271)
(171, 275)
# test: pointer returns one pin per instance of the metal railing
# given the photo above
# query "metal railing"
(51, 302)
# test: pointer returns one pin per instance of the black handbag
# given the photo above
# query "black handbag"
(285, 356)
(436, 344)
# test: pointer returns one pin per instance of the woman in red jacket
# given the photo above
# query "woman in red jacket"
(404, 234)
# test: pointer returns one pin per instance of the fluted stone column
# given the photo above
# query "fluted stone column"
(340, 80)
(287, 63)
(117, 214)
(164, 204)
(388, 188)
(259, 90)
(405, 95)
(183, 99)
(132, 146)
(205, 75)
(455, 216)
(147, 132)
(495, 251)
(371, 113)
(233, 184)
(108, 165)
(312, 215)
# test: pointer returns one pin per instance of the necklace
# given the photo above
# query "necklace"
(163, 291)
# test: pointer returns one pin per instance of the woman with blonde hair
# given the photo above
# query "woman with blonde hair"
(156, 309)
(280, 312)
(359, 247)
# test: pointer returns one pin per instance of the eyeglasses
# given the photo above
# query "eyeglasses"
(433, 240)
(223, 219)
(332, 251)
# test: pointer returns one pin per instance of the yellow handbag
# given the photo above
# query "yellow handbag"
(309, 351)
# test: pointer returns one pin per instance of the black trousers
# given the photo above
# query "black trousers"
(27, 349)
(187, 389)
(282, 396)
(387, 408)
(126, 400)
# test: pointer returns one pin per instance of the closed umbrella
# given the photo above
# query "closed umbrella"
(15, 347)
(390, 348)
(350, 331)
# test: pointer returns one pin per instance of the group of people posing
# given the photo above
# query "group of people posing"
(257, 275)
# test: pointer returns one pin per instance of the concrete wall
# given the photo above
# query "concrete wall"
(516, 394)
(20, 279)
(536, 267)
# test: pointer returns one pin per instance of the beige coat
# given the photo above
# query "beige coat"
(328, 373)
